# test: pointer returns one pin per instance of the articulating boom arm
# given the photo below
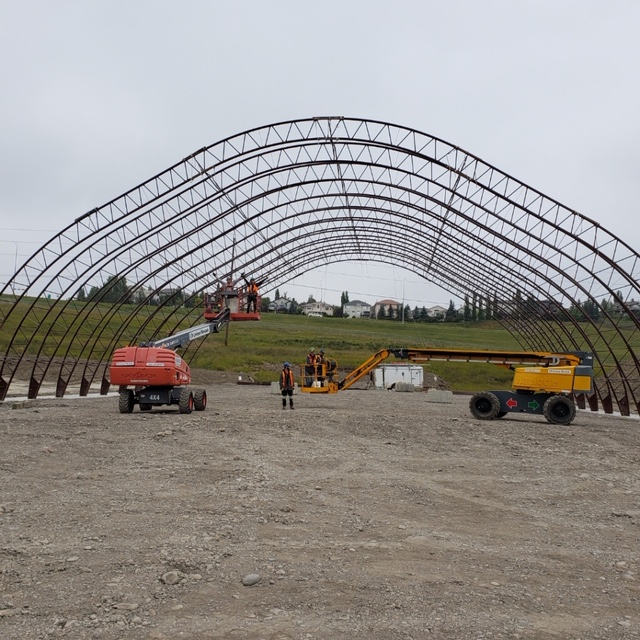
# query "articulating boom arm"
(508, 359)
(355, 375)
(183, 338)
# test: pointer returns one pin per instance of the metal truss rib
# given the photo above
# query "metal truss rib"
(280, 199)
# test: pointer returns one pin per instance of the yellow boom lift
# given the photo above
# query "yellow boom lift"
(543, 382)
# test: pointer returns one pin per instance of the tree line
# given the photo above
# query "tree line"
(476, 308)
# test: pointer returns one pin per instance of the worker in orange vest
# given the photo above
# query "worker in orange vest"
(252, 292)
(320, 360)
(310, 368)
(286, 385)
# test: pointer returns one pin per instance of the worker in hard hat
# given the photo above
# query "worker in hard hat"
(320, 361)
(310, 367)
(253, 286)
(286, 385)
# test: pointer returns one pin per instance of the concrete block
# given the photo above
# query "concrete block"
(22, 404)
(405, 386)
(440, 395)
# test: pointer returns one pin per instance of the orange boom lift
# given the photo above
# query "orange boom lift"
(158, 375)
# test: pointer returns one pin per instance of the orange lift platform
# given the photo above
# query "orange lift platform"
(234, 300)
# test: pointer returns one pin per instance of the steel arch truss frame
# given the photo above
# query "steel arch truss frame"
(284, 198)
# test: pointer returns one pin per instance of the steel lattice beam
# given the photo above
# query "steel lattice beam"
(328, 188)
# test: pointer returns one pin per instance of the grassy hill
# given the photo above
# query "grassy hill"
(259, 348)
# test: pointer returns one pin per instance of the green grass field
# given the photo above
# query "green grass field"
(259, 348)
(254, 347)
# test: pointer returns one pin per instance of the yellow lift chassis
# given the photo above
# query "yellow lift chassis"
(544, 382)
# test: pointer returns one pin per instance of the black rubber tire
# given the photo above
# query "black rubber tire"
(199, 399)
(145, 407)
(125, 401)
(559, 410)
(186, 401)
(484, 405)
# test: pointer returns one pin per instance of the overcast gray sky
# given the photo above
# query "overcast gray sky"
(98, 96)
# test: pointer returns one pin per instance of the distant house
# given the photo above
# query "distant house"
(632, 305)
(549, 309)
(386, 305)
(167, 292)
(357, 309)
(437, 311)
(280, 305)
(143, 293)
(315, 308)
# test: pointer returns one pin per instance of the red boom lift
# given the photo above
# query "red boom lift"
(158, 375)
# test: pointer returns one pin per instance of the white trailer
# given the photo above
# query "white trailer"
(387, 375)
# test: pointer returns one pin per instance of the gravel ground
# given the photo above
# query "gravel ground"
(366, 514)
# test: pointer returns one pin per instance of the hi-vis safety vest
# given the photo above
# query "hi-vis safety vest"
(252, 288)
(286, 379)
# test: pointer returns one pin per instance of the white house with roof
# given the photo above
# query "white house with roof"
(356, 309)
(280, 305)
(315, 308)
(437, 311)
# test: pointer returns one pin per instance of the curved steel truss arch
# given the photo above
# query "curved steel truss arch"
(280, 199)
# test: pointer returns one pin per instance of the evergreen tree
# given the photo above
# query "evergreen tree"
(494, 306)
(575, 311)
(178, 298)
(467, 309)
(344, 299)
(450, 313)
(189, 300)
(518, 304)
(113, 290)
(591, 309)
(481, 315)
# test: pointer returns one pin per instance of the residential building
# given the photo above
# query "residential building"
(437, 311)
(357, 309)
(317, 307)
(280, 305)
(385, 304)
